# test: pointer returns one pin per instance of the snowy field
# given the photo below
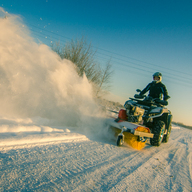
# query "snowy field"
(63, 159)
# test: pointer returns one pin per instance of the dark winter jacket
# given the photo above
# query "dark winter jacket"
(156, 90)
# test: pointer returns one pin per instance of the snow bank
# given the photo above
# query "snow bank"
(175, 126)
(35, 82)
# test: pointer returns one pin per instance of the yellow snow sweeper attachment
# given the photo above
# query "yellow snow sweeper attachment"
(133, 134)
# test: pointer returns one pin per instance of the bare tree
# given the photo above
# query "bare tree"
(104, 84)
(82, 55)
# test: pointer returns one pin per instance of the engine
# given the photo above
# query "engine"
(134, 113)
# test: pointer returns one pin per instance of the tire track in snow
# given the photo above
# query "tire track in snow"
(119, 167)
(157, 163)
(118, 171)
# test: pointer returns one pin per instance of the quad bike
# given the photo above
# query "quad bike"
(142, 118)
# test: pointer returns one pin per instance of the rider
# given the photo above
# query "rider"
(156, 88)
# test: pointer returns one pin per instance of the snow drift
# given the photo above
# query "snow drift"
(36, 85)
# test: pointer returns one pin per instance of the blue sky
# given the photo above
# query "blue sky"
(140, 37)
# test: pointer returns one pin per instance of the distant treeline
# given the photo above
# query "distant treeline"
(182, 125)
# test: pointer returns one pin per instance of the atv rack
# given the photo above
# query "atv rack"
(130, 128)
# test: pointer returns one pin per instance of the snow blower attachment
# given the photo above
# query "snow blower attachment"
(130, 133)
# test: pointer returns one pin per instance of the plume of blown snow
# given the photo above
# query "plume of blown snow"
(35, 82)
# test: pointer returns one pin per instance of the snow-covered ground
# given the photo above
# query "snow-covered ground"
(64, 159)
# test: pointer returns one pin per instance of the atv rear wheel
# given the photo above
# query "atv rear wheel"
(166, 137)
(119, 140)
(158, 131)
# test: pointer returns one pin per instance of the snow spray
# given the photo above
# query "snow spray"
(36, 82)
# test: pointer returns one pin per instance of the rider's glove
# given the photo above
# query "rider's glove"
(166, 98)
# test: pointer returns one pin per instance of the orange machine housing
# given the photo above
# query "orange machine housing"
(122, 115)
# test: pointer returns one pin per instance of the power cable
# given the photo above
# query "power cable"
(125, 65)
(168, 77)
(150, 68)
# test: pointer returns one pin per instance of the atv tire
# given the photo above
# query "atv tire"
(120, 140)
(166, 137)
(158, 131)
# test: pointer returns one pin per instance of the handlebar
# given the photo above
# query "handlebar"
(148, 100)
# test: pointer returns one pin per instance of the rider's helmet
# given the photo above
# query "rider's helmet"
(159, 75)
